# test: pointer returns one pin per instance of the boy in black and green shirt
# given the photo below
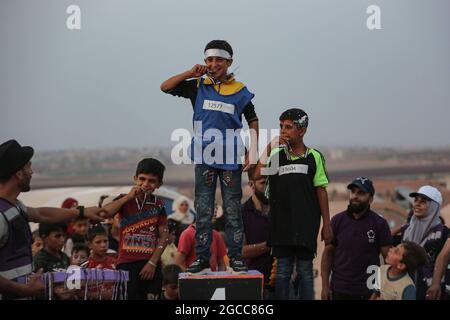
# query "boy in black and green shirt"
(298, 198)
(50, 257)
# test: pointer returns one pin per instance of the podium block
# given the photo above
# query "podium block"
(221, 286)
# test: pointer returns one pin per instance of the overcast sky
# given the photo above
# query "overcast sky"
(99, 86)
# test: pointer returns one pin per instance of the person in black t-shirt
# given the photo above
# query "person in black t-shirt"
(298, 199)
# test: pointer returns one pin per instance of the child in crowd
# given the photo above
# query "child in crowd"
(51, 257)
(37, 243)
(168, 256)
(143, 231)
(395, 277)
(69, 203)
(111, 225)
(187, 254)
(170, 282)
(80, 226)
(114, 236)
(99, 259)
(80, 254)
(98, 243)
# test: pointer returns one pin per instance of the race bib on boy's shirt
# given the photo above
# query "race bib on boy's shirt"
(293, 168)
(218, 106)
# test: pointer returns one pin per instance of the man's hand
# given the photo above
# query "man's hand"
(147, 272)
(94, 213)
(327, 233)
(326, 292)
(197, 71)
(35, 286)
(434, 292)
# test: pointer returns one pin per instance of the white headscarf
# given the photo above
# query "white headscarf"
(177, 215)
(419, 228)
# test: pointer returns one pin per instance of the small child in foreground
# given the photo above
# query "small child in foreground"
(395, 277)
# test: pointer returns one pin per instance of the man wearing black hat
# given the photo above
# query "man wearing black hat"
(15, 234)
(360, 235)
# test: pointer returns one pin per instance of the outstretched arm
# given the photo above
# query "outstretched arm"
(56, 215)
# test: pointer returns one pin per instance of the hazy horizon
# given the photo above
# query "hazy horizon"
(166, 148)
(98, 87)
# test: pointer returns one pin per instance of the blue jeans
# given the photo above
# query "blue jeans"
(285, 267)
(205, 190)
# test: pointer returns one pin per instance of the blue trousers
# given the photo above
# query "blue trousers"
(205, 190)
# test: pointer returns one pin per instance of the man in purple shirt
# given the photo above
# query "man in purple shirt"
(255, 217)
(360, 236)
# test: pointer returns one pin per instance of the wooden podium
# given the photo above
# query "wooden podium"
(221, 286)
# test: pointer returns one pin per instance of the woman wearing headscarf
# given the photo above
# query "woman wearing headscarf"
(426, 229)
(181, 212)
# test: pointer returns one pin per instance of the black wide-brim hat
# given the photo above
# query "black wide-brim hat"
(13, 157)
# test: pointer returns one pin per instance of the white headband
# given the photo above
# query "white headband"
(217, 53)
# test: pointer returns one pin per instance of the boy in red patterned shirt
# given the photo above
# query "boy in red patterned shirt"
(143, 231)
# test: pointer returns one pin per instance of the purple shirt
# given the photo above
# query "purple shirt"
(357, 246)
(256, 229)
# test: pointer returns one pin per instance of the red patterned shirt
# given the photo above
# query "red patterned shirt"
(107, 263)
(139, 228)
